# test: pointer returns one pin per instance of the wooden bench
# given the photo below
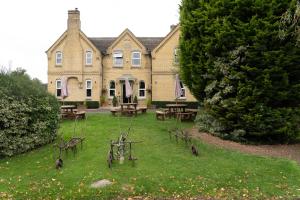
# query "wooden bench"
(160, 115)
(184, 116)
(114, 111)
(142, 109)
(80, 114)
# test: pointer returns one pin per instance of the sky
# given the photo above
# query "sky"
(28, 28)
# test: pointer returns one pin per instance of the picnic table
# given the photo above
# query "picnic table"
(176, 108)
(68, 112)
(129, 108)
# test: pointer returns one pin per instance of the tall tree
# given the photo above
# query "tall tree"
(241, 59)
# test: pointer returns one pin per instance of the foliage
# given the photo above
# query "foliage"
(92, 104)
(28, 114)
(102, 100)
(241, 61)
(115, 101)
(164, 169)
(149, 102)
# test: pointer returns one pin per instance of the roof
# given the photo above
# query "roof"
(102, 43)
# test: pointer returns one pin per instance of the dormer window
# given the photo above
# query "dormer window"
(118, 58)
(58, 58)
(88, 57)
(136, 58)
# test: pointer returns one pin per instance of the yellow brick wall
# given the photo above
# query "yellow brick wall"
(158, 72)
(164, 69)
(127, 44)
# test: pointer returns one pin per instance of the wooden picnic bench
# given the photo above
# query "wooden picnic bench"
(160, 115)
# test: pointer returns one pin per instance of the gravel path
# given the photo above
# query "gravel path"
(284, 151)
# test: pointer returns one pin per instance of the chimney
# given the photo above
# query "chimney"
(74, 19)
(172, 27)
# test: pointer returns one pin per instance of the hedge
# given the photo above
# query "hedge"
(29, 115)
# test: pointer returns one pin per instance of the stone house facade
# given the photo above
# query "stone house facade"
(95, 67)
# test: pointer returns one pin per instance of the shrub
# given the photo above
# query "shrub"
(241, 60)
(114, 101)
(102, 100)
(28, 114)
(92, 104)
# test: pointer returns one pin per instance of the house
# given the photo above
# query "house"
(95, 67)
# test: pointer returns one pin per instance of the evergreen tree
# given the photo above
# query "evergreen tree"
(241, 59)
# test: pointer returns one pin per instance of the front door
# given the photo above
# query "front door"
(125, 99)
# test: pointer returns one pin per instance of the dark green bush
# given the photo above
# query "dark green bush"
(92, 104)
(240, 58)
(28, 114)
(114, 101)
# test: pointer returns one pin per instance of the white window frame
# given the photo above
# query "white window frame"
(57, 58)
(176, 55)
(183, 91)
(142, 89)
(132, 58)
(88, 88)
(58, 88)
(116, 54)
(111, 89)
(88, 57)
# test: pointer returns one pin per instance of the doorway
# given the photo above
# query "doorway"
(124, 98)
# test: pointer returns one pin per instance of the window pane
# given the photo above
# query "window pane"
(88, 84)
(88, 92)
(58, 58)
(183, 92)
(58, 84)
(142, 93)
(58, 92)
(142, 85)
(111, 93)
(112, 85)
(118, 61)
(118, 55)
(136, 55)
(136, 62)
(89, 57)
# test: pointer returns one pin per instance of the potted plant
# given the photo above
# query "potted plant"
(102, 100)
(114, 101)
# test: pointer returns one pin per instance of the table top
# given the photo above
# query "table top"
(67, 106)
(124, 104)
(176, 105)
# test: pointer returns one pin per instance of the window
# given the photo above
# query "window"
(112, 89)
(183, 90)
(176, 55)
(88, 57)
(58, 58)
(58, 88)
(88, 88)
(136, 58)
(118, 58)
(142, 89)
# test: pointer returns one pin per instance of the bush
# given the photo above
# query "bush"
(92, 104)
(241, 60)
(114, 101)
(29, 116)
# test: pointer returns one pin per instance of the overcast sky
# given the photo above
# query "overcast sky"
(29, 28)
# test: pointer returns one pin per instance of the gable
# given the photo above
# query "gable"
(126, 35)
(169, 37)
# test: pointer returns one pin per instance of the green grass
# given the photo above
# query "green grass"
(163, 168)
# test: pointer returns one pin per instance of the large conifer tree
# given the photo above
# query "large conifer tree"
(241, 59)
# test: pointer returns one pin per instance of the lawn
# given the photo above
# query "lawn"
(163, 168)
